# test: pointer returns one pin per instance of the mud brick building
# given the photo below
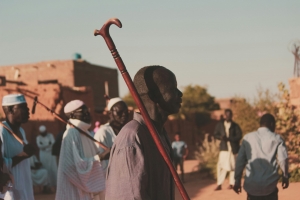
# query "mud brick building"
(55, 83)
(69, 73)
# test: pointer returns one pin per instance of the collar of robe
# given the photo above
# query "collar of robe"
(80, 124)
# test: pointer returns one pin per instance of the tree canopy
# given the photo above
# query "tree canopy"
(196, 99)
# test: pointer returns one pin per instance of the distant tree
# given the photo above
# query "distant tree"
(247, 113)
(196, 99)
(265, 102)
(129, 100)
(287, 124)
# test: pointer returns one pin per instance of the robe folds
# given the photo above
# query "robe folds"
(22, 186)
(39, 176)
(80, 173)
(48, 160)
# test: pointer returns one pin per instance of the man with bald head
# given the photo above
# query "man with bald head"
(136, 169)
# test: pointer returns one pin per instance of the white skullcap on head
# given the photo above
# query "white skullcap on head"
(13, 99)
(73, 105)
(113, 101)
(42, 128)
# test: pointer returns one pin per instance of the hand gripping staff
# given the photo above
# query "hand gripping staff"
(104, 32)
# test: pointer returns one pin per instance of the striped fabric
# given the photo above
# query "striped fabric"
(79, 177)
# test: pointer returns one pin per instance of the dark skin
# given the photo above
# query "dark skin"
(84, 115)
(164, 98)
(15, 116)
(285, 180)
(118, 116)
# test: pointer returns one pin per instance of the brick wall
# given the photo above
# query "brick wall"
(69, 73)
(86, 74)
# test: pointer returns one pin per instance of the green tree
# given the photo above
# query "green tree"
(196, 99)
(245, 115)
(287, 124)
(265, 102)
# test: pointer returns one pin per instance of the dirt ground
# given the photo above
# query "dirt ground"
(202, 188)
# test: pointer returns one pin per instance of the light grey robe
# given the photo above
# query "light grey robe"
(136, 169)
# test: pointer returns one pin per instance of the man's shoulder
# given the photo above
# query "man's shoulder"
(221, 122)
(128, 134)
(234, 123)
(103, 129)
(250, 135)
(133, 125)
(71, 132)
(219, 125)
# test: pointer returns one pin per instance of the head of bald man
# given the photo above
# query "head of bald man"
(157, 87)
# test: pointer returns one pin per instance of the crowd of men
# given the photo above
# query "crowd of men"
(131, 167)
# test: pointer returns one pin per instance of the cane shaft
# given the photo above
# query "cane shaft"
(13, 134)
(72, 125)
(57, 116)
(105, 34)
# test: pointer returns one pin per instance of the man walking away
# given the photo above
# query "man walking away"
(258, 153)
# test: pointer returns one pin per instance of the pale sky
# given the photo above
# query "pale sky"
(231, 47)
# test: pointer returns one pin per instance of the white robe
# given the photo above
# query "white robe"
(48, 160)
(106, 135)
(22, 188)
(79, 174)
(39, 176)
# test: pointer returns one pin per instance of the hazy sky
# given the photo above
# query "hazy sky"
(231, 47)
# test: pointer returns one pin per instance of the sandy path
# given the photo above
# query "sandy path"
(203, 189)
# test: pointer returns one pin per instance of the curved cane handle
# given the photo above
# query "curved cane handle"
(104, 32)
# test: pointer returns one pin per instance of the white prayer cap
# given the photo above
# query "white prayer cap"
(42, 128)
(13, 99)
(73, 105)
(113, 101)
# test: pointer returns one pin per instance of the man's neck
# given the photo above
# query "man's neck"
(14, 126)
(115, 126)
(157, 115)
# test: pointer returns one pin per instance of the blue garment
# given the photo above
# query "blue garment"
(178, 148)
(260, 151)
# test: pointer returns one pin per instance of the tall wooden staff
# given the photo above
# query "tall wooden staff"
(57, 116)
(104, 32)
